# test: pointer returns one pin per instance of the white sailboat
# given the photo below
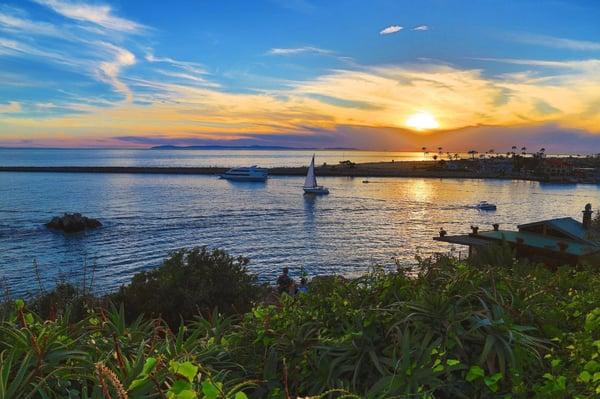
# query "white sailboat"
(310, 184)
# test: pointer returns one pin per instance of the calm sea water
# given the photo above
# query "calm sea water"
(146, 216)
(189, 158)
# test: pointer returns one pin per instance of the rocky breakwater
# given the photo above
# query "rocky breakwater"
(73, 223)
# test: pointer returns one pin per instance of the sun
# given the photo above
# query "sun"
(422, 120)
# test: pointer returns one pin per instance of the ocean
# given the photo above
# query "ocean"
(145, 217)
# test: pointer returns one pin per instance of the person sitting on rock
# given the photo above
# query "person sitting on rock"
(284, 282)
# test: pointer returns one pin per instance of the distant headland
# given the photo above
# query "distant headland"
(249, 147)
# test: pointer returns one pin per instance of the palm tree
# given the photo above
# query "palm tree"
(435, 157)
(523, 150)
(472, 153)
(514, 150)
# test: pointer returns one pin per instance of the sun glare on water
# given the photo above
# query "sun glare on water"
(422, 121)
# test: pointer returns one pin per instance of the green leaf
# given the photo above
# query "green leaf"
(209, 390)
(492, 381)
(562, 382)
(185, 369)
(585, 376)
(141, 379)
(475, 372)
(137, 383)
(452, 362)
(240, 395)
(592, 366)
(20, 304)
(149, 365)
(182, 390)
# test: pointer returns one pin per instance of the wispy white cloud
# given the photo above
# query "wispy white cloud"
(11, 21)
(109, 70)
(46, 105)
(98, 14)
(10, 108)
(20, 49)
(587, 64)
(189, 77)
(421, 28)
(189, 66)
(557, 42)
(299, 50)
(391, 29)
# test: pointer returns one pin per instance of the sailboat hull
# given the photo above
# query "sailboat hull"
(316, 190)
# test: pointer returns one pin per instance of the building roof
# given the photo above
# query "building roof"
(540, 241)
(568, 226)
(465, 239)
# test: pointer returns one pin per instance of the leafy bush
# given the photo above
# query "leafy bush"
(191, 282)
(448, 329)
(104, 357)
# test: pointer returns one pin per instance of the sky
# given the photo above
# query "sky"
(377, 74)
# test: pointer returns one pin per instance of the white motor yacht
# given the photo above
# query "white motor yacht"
(253, 173)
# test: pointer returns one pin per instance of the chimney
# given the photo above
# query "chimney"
(587, 216)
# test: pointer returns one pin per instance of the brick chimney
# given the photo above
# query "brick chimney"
(587, 216)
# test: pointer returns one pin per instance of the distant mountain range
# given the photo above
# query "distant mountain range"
(243, 147)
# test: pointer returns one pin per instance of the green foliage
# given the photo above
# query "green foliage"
(447, 329)
(190, 282)
(103, 356)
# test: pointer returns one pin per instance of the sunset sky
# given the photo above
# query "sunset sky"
(378, 74)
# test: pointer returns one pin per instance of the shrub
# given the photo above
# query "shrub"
(191, 282)
(446, 329)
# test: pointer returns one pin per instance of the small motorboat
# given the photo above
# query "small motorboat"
(485, 206)
(253, 173)
(310, 184)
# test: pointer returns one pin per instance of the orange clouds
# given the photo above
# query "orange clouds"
(376, 97)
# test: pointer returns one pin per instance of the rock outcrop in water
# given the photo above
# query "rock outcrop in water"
(73, 223)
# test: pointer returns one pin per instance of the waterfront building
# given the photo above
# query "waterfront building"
(553, 242)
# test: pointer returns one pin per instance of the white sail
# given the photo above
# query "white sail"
(311, 179)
